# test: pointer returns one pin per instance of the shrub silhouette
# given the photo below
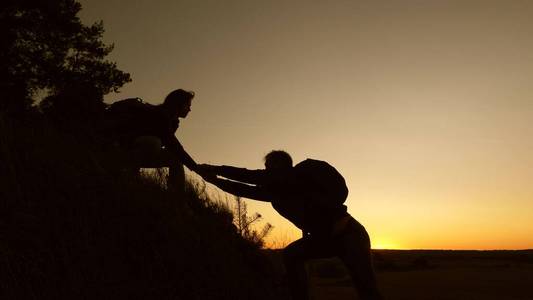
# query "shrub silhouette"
(244, 223)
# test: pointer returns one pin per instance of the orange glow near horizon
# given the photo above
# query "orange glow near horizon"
(385, 243)
(425, 107)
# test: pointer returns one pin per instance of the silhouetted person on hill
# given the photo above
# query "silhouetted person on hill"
(145, 134)
(313, 205)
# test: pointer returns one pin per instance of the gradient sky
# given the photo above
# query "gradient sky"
(426, 106)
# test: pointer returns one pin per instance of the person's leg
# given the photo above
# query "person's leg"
(176, 175)
(296, 254)
(294, 257)
(148, 152)
(353, 248)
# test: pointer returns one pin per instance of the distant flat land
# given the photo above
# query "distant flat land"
(435, 275)
(455, 274)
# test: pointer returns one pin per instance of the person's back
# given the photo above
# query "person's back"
(324, 180)
(132, 118)
(310, 195)
(127, 119)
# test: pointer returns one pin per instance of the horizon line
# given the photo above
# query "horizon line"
(426, 249)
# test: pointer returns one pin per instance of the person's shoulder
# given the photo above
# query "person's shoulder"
(308, 161)
(155, 111)
(314, 166)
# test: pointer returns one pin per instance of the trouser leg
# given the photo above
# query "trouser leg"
(354, 251)
(294, 257)
(352, 247)
(148, 152)
(176, 176)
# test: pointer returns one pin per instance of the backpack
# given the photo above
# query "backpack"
(322, 181)
(127, 107)
(122, 117)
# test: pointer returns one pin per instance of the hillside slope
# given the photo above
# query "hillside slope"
(69, 230)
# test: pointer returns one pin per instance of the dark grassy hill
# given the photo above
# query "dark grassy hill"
(69, 230)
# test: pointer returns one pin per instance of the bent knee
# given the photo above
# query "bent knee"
(294, 251)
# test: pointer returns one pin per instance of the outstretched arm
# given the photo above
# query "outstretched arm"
(185, 158)
(238, 174)
(241, 189)
(173, 145)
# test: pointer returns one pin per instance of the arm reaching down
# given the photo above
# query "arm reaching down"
(185, 158)
(173, 145)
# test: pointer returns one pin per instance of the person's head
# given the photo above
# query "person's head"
(278, 160)
(179, 102)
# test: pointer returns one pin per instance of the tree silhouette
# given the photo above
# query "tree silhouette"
(45, 50)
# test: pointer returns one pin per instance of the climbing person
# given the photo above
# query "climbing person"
(143, 135)
(310, 195)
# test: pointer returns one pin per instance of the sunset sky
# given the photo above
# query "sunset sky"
(426, 107)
